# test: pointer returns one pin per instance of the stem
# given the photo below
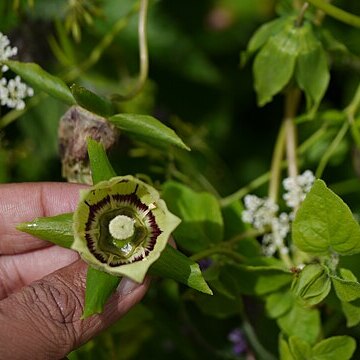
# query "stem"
(275, 170)
(144, 58)
(292, 100)
(336, 13)
(301, 15)
(326, 157)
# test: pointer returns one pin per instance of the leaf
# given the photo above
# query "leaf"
(56, 229)
(312, 71)
(174, 265)
(262, 35)
(346, 290)
(90, 101)
(275, 63)
(284, 349)
(37, 77)
(325, 224)
(300, 349)
(312, 285)
(101, 168)
(352, 312)
(147, 128)
(99, 287)
(278, 303)
(334, 348)
(250, 280)
(202, 223)
(302, 322)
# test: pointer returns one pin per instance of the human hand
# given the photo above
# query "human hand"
(42, 286)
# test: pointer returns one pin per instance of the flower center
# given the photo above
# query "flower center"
(121, 227)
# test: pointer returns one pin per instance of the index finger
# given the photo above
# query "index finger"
(26, 201)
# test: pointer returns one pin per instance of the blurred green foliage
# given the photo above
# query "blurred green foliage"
(197, 87)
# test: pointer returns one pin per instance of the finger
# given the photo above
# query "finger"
(24, 202)
(42, 321)
(19, 270)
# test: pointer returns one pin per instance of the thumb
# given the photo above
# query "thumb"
(42, 321)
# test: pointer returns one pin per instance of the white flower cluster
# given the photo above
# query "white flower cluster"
(297, 188)
(262, 213)
(13, 91)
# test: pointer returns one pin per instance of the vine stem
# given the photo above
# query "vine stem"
(337, 13)
(144, 56)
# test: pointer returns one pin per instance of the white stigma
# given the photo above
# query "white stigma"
(121, 227)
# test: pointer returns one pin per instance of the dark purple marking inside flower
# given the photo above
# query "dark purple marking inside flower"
(131, 200)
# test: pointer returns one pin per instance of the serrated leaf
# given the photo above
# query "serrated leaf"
(202, 223)
(312, 285)
(56, 229)
(312, 71)
(37, 77)
(90, 101)
(324, 224)
(275, 63)
(302, 322)
(147, 128)
(334, 348)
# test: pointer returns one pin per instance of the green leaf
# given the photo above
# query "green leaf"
(37, 77)
(99, 287)
(312, 285)
(351, 312)
(250, 280)
(346, 290)
(174, 265)
(202, 223)
(284, 349)
(90, 101)
(325, 224)
(262, 35)
(302, 322)
(312, 72)
(300, 349)
(278, 303)
(334, 348)
(147, 128)
(275, 63)
(101, 168)
(56, 229)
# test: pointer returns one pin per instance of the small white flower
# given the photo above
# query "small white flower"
(13, 93)
(6, 51)
(259, 212)
(297, 188)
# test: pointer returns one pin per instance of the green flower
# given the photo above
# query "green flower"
(121, 226)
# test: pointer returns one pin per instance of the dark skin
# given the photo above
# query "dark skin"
(42, 286)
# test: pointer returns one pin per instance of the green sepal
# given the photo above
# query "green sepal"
(55, 229)
(147, 129)
(91, 101)
(174, 265)
(37, 77)
(101, 168)
(99, 287)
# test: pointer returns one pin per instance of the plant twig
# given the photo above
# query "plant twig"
(337, 13)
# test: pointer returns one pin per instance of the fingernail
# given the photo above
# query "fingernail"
(126, 286)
